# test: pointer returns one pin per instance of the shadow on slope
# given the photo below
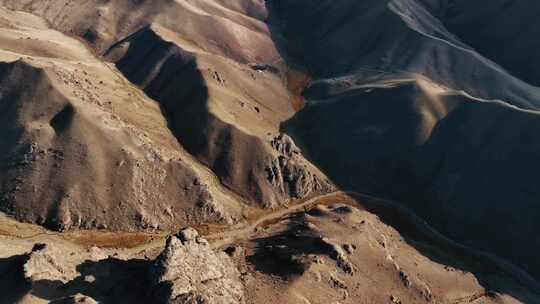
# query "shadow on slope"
(284, 254)
(336, 39)
(13, 285)
(455, 161)
(290, 252)
(465, 166)
(172, 76)
(501, 30)
(60, 158)
(107, 281)
(493, 273)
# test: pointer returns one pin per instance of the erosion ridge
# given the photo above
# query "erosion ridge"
(80, 126)
(411, 40)
(213, 118)
(503, 39)
(199, 117)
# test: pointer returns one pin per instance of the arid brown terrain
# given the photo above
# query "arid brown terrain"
(321, 151)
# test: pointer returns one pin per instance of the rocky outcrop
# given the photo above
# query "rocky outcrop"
(293, 179)
(285, 145)
(291, 173)
(51, 263)
(189, 271)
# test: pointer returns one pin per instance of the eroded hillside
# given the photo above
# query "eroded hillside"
(163, 130)
(265, 125)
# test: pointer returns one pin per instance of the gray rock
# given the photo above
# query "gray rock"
(294, 179)
(336, 282)
(284, 144)
(188, 234)
(189, 271)
(52, 263)
(349, 248)
(395, 299)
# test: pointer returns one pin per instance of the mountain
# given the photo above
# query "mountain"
(416, 115)
(320, 149)
(158, 132)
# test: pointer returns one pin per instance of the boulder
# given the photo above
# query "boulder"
(189, 271)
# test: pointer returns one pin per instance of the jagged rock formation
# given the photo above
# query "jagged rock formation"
(285, 145)
(290, 173)
(189, 271)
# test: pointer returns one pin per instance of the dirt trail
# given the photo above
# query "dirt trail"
(390, 212)
(120, 240)
(223, 238)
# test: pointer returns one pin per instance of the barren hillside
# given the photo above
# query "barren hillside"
(352, 151)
